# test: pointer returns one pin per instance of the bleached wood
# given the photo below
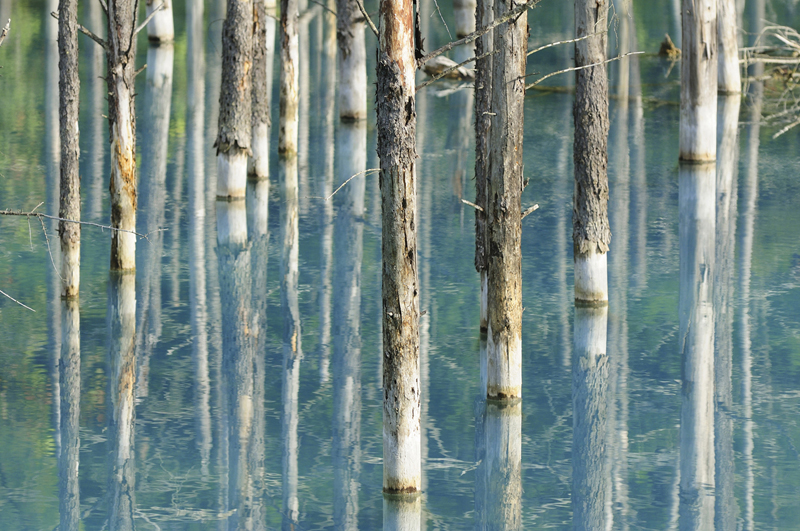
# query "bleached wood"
(503, 443)
(161, 27)
(231, 174)
(352, 61)
(402, 513)
(591, 277)
(699, 65)
(69, 379)
(289, 79)
(697, 210)
(729, 75)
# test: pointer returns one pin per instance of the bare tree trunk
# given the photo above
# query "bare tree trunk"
(160, 28)
(258, 165)
(503, 207)
(591, 474)
(97, 88)
(290, 79)
(69, 369)
(121, 402)
(397, 152)
(698, 133)
(503, 443)
(121, 57)
(591, 234)
(233, 139)
(697, 199)
(730, 79)
(352, 61)
(69, 86)
(402, 513)
(484, 14)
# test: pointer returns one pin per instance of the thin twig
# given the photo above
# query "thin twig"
(436, 3)
(326, 8)
(5, 32)
(785, 129)
(530, 210)
(443, 73)
(140, 70)
(148, 19)
(49, 251)
(574, 68)
(104, 6)
(9, 212)
(540, 48)
(86, 32)
(366, 16)
(473, 205)
(371, 170)
(15, 300)
(475, 35)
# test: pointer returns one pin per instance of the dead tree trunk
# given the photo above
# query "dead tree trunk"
(484, 14)
(233, 139)
(397, 152)
(730, 78)
(160, 28)
(258, 165)
(69, 87)
(591, 234)
(503, 207)
(352, 61)
(290, 79)
(698, 132)
(121, 58)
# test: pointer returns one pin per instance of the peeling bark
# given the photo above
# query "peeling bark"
(397, 152)
(591, 234)
(699, 64)
(121, 59)
(69, 87)
(503, 207)
(233, 140)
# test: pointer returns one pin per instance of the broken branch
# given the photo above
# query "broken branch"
(2, 38)
(574, 68)
(366, 16)
(86, 32)
(148, 19)
(530, 210)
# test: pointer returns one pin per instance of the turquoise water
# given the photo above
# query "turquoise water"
(206, 307)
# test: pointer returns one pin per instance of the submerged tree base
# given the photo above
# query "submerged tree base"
(591, 278)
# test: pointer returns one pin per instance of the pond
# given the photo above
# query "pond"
(701, 265)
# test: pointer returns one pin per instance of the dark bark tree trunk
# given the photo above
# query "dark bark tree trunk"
(484, 14)
(397, 152)
(258, 166)
(591, 234)
(233, 140)
(121, 58)
(503, 207)
(290, 79)
(699, 65)
(69, 87)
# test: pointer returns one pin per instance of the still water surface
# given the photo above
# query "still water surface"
(257, 397)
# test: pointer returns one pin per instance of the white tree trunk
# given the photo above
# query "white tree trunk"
(697, 207)
(402, 513)
(730, 79)
(160, 28)
(289, 79)
(698, 129)
(503, 430)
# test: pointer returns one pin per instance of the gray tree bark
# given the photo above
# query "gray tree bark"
(289, 80)
(69, 372)
(591, 234)
(69, 87)
(258, 165)
(121, 59)
(233, 140)
(503, 207)
(397, 152)
(699, 65)
(484, 14)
